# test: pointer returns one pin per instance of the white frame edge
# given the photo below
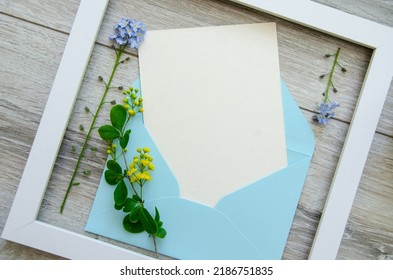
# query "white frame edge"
(22, 225)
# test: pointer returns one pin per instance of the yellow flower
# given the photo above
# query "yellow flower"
(126, 106)
(146, 175)
(138, 150)
(108, 152)
(131, 171)
(146, 150)
(131, 112)
(145, 162)
(151, 166)
(148, 157)
(125, 100)
(141, 110)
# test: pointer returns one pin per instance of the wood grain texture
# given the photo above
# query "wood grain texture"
(27, 72)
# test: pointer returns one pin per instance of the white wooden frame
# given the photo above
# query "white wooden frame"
(22, 225)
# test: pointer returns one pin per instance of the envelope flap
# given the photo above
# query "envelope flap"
(299, 136)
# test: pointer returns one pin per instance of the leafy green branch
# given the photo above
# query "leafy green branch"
(134, 176)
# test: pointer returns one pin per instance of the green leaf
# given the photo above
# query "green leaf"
(148, 221)
(161, 233)
(132, 227)
(124, 140)
(108, 132)
(112, 178)
(134, 215)
(157, 216)
(159, 224)
(121, 193)
(129, 205)
(118, 116)
(137, 198)
(118, 207)
(114, 166)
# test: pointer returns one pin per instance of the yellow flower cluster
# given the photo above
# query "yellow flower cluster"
(131, 102)
(140, 167)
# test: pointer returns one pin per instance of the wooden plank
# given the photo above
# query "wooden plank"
(378, 11)
(45, 13)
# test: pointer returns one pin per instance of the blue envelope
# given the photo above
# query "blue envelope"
(251, 223)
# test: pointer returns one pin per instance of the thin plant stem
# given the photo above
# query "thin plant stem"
(81, 154)
(330, 81)
(155, 246)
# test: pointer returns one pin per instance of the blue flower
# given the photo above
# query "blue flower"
(325, 112)
(123, 23)
(129, 31)
(135, 25)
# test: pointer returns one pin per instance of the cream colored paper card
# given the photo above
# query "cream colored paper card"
(213, 106)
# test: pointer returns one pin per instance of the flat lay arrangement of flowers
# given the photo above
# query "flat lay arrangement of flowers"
(128, 178)
(129, 182)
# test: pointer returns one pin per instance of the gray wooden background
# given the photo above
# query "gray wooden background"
(33, 35)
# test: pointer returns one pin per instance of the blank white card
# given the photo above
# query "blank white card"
(212, 101)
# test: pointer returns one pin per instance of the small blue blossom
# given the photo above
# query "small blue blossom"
(325, 112)
(129, 31)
